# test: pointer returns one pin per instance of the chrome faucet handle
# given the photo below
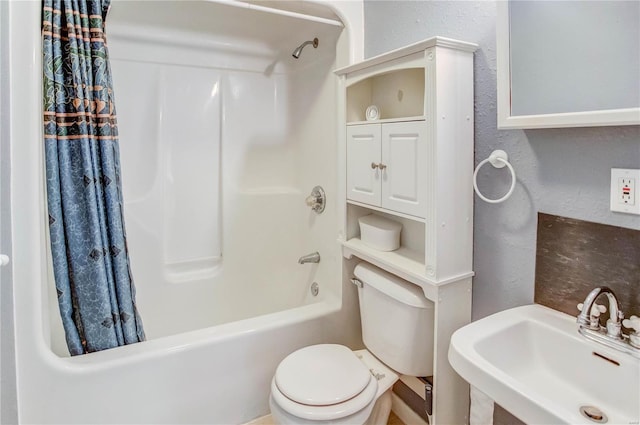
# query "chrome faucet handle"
(317, 200)
(633, 323)
(311, 201)
(594, 316)
(596, 309)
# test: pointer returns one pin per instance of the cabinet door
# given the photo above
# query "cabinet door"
(363, 150)
(403, 174)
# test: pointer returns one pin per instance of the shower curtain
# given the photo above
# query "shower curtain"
(95, 290)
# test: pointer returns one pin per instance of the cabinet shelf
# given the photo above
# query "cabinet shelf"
(382, 121)
(384, 210)
(402, 262)
(397, 93)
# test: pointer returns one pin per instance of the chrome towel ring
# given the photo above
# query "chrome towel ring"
(498, 159)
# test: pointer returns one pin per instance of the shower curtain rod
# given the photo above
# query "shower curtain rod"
(274, 11)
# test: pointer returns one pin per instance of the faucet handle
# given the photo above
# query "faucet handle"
(594, 316)
(596, 309)
(317, 200)
(632, 323)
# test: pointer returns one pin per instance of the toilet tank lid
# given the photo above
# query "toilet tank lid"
(392, 286)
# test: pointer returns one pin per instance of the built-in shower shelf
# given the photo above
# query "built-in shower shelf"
(403, 262)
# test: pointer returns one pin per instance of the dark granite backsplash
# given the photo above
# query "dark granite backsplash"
(575, 256)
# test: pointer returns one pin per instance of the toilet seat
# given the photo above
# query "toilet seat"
(363, 401)
(323, 382)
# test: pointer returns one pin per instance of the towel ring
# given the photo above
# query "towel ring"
(498, 159)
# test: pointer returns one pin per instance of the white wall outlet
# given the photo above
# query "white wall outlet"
(625, 195)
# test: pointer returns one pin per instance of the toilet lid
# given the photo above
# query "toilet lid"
(322, 375)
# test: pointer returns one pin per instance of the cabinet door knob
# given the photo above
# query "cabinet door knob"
(382, 166)
(374, 165)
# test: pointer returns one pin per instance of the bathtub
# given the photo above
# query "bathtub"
(214, 260)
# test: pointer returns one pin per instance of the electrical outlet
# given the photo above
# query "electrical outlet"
(624, 191)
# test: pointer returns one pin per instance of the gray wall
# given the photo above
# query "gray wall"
(564, 172)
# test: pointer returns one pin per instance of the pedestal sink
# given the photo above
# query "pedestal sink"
(532, 361)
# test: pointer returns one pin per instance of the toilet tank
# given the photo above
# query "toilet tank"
(397, 321)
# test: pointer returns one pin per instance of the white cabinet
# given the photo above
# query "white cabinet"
(414, 165)
(386, 166)
(363, 158)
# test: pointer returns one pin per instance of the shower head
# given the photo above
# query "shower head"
(296, 53)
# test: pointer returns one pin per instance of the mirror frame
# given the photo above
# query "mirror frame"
(608, 117)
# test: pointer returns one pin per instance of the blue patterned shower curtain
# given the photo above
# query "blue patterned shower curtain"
(95, 290)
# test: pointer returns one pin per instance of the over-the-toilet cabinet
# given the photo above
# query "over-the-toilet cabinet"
(383, 166)
(412, 162)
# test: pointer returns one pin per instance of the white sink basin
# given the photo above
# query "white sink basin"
(532, 361)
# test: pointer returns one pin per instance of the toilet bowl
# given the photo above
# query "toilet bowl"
(330, 384)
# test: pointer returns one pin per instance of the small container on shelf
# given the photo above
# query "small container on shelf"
(380, 233)
(372, 113)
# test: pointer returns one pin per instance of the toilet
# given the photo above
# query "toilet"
(330, 384)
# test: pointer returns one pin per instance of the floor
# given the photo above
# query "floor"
(394, 420)
(266, 420)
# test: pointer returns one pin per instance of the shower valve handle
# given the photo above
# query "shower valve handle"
(317, 200)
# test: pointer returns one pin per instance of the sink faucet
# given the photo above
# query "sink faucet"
(615, 313)
(314, 257)
(589, 325)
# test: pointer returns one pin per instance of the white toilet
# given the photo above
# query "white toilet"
(330, 384)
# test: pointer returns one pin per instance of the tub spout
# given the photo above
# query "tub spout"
(310, 258)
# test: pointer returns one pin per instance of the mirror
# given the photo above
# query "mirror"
(568, 63)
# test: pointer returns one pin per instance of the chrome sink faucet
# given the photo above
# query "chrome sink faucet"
(614, 324)
(611, 336)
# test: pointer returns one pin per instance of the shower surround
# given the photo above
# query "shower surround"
(222, 135)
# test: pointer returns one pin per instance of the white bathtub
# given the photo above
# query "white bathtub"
(217, 375)
(221, 305)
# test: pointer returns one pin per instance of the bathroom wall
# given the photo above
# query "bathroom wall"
(564, 172)
(8, 403)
